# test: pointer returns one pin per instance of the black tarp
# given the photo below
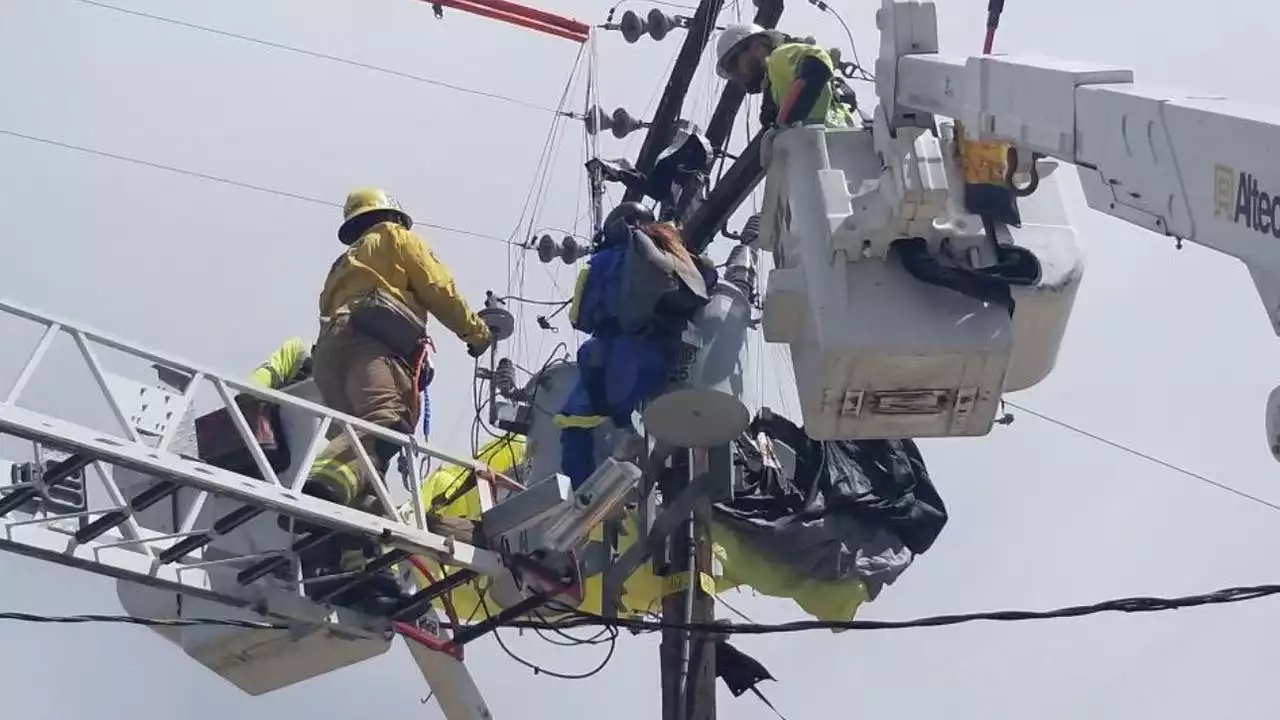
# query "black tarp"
(854, 508)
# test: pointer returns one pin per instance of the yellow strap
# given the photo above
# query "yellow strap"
(672, 584)
(586, 422)
(576, 305)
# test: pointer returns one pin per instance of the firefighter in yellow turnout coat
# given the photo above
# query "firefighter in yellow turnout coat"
(374, 370)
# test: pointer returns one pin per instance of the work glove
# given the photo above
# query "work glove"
(476, 349)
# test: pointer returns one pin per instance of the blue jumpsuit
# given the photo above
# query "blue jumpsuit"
(617, 371)
(615, 376)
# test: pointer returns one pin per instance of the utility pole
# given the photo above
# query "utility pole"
(687, 658)
(688, 663)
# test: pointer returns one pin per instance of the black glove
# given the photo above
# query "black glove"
(475, 350)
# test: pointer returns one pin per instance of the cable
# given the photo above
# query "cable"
(538, 669)
(533, 201)
(147, 622)
(1125, 605)
(1144, 456)
(733, 609)
(578, 618)
(526, 301)
(570, 640)
(853, 46)
(227, 181)
(321, 56)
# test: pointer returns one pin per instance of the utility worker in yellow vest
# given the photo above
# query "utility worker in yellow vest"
(290, 363)
(370, 359)
(797, 80)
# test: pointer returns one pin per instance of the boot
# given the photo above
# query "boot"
(376, 596)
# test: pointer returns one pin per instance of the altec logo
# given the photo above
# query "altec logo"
(1238, 198)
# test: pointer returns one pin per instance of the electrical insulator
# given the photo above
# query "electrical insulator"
(750, 230)
(569, 249)
(738, 270)
(657, 25)
(504, 377)
(496, 315)
(620, 122)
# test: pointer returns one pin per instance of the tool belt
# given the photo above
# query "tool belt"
(379, 315)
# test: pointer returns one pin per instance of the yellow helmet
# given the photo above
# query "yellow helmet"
(363, 201)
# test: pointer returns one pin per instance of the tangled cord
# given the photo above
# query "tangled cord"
(610, 632)
(578, 618)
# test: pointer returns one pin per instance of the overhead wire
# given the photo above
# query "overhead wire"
(575, 618)
(1144, 456)
(610, 632)
(223, 180)
(865, 74)
(319, 55)
(535, 197)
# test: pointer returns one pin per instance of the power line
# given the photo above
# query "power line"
(576, 618)
(148, 622)
(324, 56)
(228, 181)
(1144, 456)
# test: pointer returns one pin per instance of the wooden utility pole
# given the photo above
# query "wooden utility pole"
(688, 659)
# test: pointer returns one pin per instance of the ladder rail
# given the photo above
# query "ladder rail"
(265, 394)
(252, 492)
(128, 449)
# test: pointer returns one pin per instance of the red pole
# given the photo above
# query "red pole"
(531, 24)
(573, 26)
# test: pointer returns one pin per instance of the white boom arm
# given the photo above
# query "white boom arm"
(1201, 169)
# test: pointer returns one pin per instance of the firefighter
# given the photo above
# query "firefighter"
(798, 80)
(290, 363)
(635, 298)
(371, 356)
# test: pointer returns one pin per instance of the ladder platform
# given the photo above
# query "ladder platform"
(196, 513)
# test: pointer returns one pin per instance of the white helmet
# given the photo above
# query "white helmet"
(732, 39)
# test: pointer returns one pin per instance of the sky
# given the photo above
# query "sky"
(1168, 352)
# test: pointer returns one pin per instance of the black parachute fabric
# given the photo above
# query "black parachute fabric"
(853, 509)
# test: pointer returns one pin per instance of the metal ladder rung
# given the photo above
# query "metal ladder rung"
(221, 526)
(116, 518)
(417, 605)
(265, 567)
(373, 567)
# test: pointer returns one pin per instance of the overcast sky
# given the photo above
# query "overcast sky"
(1168, 352)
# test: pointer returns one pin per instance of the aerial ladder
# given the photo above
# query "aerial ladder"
(878, 353)
(190, 524)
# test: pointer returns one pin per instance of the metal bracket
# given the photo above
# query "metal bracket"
(672, 514)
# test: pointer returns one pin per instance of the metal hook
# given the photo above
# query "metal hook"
(1012, 162)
